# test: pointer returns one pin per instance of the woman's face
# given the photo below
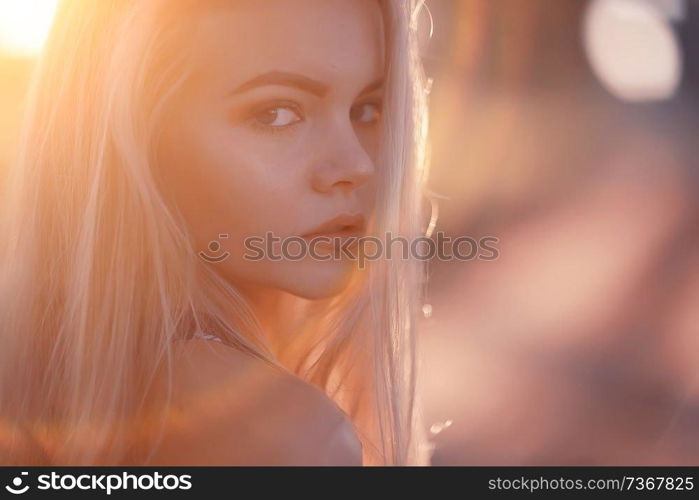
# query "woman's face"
(277, 132)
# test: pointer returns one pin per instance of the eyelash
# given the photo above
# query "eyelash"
(274, 129)
(295, 108)
(379, 108)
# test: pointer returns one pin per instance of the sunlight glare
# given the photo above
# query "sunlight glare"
(24, 25)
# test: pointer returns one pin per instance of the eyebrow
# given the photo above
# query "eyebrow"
(295, 80)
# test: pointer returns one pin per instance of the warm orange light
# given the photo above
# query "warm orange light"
(24, 25)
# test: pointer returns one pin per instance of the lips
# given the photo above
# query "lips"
(342, 226)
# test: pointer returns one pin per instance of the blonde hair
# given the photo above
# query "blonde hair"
(98, 274)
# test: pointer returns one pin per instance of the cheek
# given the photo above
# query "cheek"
(370, 140)
(228, 184)
(367, 195)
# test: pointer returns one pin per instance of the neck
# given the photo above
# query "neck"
(277, 313)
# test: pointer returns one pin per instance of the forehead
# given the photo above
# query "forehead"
(334, 41)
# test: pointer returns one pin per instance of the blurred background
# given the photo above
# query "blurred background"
(568, 130)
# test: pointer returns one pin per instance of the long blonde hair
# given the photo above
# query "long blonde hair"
(98, 274)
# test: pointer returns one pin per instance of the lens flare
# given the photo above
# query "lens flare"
(633, 48)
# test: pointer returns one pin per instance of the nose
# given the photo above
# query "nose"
(345, 164)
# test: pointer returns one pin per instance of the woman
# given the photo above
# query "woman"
(162, 136)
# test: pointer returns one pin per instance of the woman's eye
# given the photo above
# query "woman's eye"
(277, 117)
(366, 113)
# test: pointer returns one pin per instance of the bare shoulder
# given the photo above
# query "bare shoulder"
(231, 408)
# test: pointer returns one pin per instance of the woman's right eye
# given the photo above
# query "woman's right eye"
(276, 117)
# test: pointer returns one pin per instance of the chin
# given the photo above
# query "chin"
(320, 280)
